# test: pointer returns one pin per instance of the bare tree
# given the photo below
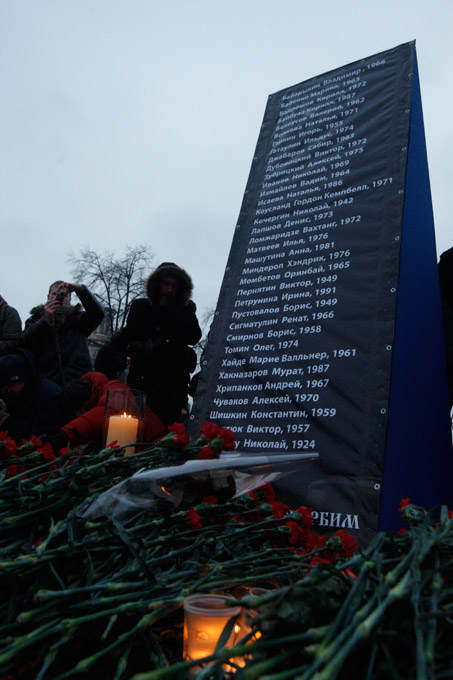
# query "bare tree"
(116, 281)
(206, 322)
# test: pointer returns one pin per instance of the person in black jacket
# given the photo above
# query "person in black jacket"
(157, 337)
(10, 327)
(31, 405)
(57, 332)
(445, 268)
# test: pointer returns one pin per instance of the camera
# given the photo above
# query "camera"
(60, 295)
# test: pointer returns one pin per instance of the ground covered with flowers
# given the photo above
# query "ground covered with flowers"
(103, 597)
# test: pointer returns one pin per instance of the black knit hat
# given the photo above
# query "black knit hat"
(12, 370)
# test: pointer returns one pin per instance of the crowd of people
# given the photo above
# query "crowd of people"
(48, 385)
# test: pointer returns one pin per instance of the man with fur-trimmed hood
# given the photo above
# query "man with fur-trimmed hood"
(157, 337)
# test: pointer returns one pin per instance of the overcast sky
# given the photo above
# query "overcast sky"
(135, 121)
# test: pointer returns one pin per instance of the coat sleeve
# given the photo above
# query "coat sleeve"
(86, 427)
(37, 334)
(93, 314)
(11, 331)
(180, 324)
(153, 426)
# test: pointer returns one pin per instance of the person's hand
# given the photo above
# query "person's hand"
(137, 349)
(3, 411)
(57, 441)
(52, 304)
(74, 287)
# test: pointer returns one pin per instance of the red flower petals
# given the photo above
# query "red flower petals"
(181, 439)
(212, 432)
(193, 519)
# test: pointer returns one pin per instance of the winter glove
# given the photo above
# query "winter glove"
(57, 441)
(142, 348)
(137, 349)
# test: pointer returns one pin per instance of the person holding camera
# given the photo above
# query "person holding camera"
(56, 332)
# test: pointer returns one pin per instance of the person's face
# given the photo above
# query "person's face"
(56, 294)
(168, 285)
(16, 388)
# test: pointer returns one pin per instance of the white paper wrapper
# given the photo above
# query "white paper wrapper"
(183, 486)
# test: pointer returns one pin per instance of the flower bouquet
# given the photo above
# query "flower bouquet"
(206, 468)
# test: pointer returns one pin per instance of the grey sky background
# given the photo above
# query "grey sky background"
(135, 121)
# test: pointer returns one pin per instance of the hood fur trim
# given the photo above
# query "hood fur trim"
(185, 289)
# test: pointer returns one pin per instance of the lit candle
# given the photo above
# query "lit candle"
(123, 430)
(205, 617)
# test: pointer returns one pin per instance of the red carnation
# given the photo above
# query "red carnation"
(401, 532)
(193, 519)
(279, 509)
(210, 500)
(180, 439)
(227, 437)
(316, 559)
(11, 471)
(306, 518)
(7, 445)
(297, 535)
(207, 454)
(212, 432)
(36, 443)
(313, 541)
(48, 454)
(348, 543)
(209, 430)
(265, 493)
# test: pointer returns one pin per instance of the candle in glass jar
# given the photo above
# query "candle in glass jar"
(205, 617)
(123, 430)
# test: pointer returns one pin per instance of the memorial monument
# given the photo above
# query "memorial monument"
(328, 333)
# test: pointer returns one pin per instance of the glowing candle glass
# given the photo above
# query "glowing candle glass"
(205, 617)
(123, 430)
(124, 417)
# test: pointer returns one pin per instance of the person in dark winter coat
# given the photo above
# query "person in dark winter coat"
(32, 404)
(86, 397)
(445, 268)
(10, 328)
(157, 337)
(57, 332)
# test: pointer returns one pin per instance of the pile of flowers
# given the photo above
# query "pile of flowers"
(212, 440)
(84, 589)
(17, 459)
(282, 526)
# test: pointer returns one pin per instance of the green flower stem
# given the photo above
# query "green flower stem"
(224, 655)
(86, 664)
(19, 644)
(340, 649)
(436, 587)
(45, 595)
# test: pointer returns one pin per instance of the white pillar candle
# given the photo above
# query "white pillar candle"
(123, 430)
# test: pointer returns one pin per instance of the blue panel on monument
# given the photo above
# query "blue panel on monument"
(418, 458)
(301, 351)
